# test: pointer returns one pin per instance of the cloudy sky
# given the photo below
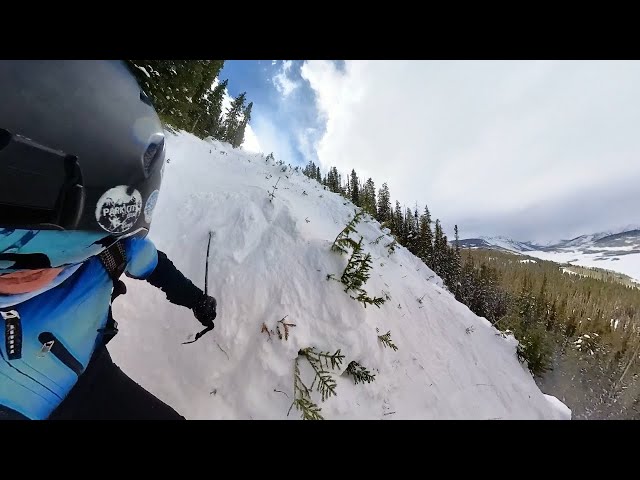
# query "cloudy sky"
(534, 150)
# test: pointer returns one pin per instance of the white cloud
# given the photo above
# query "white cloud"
(251, 143)
(271, 140)
(485, 139)
(281, 80)
(305, 143)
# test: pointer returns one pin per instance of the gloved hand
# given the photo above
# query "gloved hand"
(118, 289)
(205, 310)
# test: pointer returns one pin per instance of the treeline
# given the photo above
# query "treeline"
(185, 97)
(579, 334)
(583, 331)
(411, 228)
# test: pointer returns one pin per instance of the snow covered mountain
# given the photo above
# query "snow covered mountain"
(615, 250)
(270, 258)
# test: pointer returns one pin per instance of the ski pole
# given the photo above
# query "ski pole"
(206, 291)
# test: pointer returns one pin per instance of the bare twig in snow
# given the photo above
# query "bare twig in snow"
(223, 351)
(280, 391)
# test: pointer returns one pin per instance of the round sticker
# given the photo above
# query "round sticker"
(150, 205)
(117, 211)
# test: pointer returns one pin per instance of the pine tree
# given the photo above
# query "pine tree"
(232, 121)
(204, 72)
(317, 176)
(334, 181)
(384, 206)
(238, 138)
(438, 250)
(311, 170)
(456, 269)
(177, 88)
(212, 122)
(447, 263)
(542, 308)
(368, 197)
(526, 304)
(426, 238)
(355, 193)
(398, 224)
(467, 281)
(410, 231)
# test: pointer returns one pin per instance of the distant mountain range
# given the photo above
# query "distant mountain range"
(613, 250)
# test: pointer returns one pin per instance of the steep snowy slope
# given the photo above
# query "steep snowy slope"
(270, 260)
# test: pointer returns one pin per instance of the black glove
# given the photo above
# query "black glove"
(205, 310)
(119, 288)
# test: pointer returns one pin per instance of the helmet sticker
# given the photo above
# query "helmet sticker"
(150, 205)
(117, 211)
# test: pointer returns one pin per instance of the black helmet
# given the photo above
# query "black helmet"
(81, 148)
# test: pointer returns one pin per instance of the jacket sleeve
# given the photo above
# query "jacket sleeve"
(178, 288)
(145, 262)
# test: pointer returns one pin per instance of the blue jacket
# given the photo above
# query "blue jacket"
(60, 329)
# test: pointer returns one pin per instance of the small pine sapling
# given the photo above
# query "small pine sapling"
(319, 361)
(272, 194)
(343, 241)
(302, 397)
(391, 247)
(356, 274)
(285, 327)
(359, 373)
(324, 383)
(386, 340)
(377, 240)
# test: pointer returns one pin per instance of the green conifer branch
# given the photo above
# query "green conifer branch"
(359, 373)
(302, 397)
(343, 241)
(387, 342)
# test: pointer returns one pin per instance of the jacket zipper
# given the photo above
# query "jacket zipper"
(12, 334)
(51, 344)
(13, 344)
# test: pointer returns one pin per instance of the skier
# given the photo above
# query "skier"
(81, 162)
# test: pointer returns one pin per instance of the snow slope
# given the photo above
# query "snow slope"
(270, 260)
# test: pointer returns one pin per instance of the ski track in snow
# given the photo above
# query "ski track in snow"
(269, 260)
